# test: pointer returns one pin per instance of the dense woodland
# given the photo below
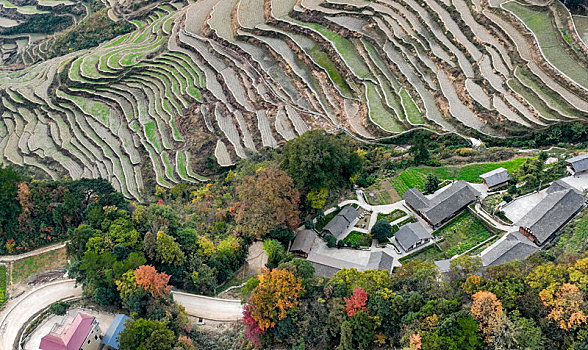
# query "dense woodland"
(194, 237)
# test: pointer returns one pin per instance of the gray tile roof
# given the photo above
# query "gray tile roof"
(303, 241)
(496, 177)
(445, 204)
(512, 246)
(580, 163)
(552, 213)
(558, 185)
(340, 223)
(380, 261)
(443, 265)
(409, 234)
(327, 266)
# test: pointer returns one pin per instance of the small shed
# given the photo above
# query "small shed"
(578, 164)
(303, 242)
(341, 222)
(495, 178)
(411, 236)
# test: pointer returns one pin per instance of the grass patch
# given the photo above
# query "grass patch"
(430, 253)
(24, 268)
(484, 246)
(462, 233)
(549, 97)
(355, 237)
(415, 177)
(384, 193)
(393, 216)
(323, 60)
(413, 113)
(2, 285)
(574, 237)
(549, 39)
(378, 112)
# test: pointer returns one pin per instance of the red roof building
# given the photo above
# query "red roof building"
(79, 332)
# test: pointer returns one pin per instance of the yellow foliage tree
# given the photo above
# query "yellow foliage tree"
(488, 311)
(565, 303)
(276, 293)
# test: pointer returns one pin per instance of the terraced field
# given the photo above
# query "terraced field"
(223, 78)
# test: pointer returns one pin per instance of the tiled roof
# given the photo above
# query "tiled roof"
(512, 246)
(113, 332)
(496, 177)
(551, 213)
(409, 234)
(327, 266)
(72, 337)
(303, 241)
(444, 204)
(580, 163)
(340, 223)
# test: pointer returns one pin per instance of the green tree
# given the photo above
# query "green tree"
(381, 230)
(419, 151)
(168, 250)
(59, 308)
(145, 334)
(432, 183)
(331, 241)
(318, 160)
(275, 252)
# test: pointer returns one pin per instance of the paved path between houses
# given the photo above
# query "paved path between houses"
(491, 220)
(17, 312)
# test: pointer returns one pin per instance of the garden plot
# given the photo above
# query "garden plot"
(534, 100)
(523, 110)
(477, 93)
(247, 139)
(263, 123)
(299, 124)
(220, 20)
(250, 13)
(494, 79)
(222, 154)
(283, 126)
(227, 126)
(378, 112)
(581, 23)
(552, 47)
(505, 111)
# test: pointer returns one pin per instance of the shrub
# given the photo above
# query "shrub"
(432, 183)
(309, 224)
(331, 241)
(340, 244)
(513, 189)
(59, 308)
(507, 198)
(381, 230)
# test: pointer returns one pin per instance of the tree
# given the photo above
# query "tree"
(331, 241)
(268, 200)
(146, 334)
(565, 303)
(59, 308)
(318, 160)
(317, 197)
(464, 265)
(488, 311)
(147, 277)
(356, 302)
(276, 293)
(168, 250)
(10, 208)
(275, 252)
(362, 329)
(419, 151)
(432, 183)
(76, 247)
(381, 230)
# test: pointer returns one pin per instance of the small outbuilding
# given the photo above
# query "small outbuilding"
(495, 178)
(111, 338)
(411, 236)
(341, 222)
(303, 242)
(74, 332)
(578, 164)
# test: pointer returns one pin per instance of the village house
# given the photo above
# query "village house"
(74, 332)
(511, 246)
(327, 266)
(560, 205)
(303, 242)
(341, 222)
(411, 236)
(578, 164)
(495, 178)
(444, 205)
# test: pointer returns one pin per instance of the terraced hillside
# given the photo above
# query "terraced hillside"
(223, 78)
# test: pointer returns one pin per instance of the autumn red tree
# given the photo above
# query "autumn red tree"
(356, 302)
(277, 292)
(565, 303)
(147, 277)
(488, 311)
(269, 200)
